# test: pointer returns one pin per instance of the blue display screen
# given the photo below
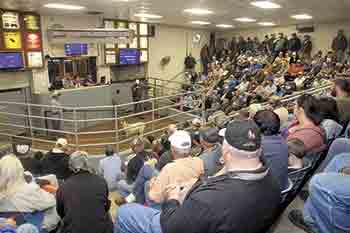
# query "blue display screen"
(129, 56)
(11, 61)
(75, 49)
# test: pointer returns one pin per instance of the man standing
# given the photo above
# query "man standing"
(294, 43)
(243, 190)
(307, 48)
(339, 45)
(56, 112)
(137, 91)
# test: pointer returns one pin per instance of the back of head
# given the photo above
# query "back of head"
(209, 135)
(27, 228)
(343, 85)
(61, 144)
(78, 161)
(11, 173)
(109, 150)
(181, 144)
(297, 148)
(268, 122)
(310, 105)
(329, 109)
(242, 140)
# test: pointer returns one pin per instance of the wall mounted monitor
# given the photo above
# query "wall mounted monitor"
(76, 49)
(11, 60)
(129, 56)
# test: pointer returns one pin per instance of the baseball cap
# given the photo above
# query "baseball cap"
(243, 135)
(181, 139)
(62, 142)
(210, 135)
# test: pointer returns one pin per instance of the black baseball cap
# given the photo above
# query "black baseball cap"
(210, 135)
(243, 135)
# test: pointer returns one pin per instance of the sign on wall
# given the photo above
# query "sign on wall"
(10, 20)
(33, 40)
(12, 40)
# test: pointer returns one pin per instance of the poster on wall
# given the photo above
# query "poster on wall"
(143, 42)
(109, 24)
(134, 44)
(111, 57)
(31, 22)
(122, 25)
(33, 41)
(10, 20)
(35, 59)
(143, 29)
(12, 40)
(133, 26)
(144, 56)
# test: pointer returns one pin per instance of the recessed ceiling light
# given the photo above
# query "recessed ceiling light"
(302, 16)
(224, 26)
(148, 16)
(198, 11)
(267, 24)
(245, 20)
(63, 6)
(265, 4)
(200, 22)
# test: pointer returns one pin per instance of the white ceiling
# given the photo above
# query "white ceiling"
(172, 10)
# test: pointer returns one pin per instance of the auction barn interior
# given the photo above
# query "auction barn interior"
(150, 116)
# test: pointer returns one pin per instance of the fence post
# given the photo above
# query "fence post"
(204, 117)
(76, 129)
(116, 127)
(29, 111)
(153, 114)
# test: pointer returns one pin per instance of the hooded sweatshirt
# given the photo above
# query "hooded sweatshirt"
(57, 163)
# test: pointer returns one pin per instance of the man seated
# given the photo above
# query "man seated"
(56, 161)
(211, 154)
(182, 169)
(327, 208)
(275, 149)
(242, 191)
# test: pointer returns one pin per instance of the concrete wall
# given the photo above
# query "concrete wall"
(322, 37)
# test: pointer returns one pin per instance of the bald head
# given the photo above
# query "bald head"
(171, 129)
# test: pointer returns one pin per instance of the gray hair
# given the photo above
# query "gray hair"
(11, 174)
(79, 162)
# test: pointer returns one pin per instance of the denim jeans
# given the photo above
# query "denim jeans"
(327, 209)
(339, 146)
(135, 218)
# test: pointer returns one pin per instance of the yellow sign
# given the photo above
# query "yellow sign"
(12, 40)
(31, 22)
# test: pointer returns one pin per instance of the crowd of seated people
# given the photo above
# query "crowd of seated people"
(172, 188)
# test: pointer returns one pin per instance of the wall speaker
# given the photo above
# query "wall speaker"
(151, 30)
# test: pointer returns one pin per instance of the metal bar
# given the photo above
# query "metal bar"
(29, 110)
(153, 115)
(37, 105)
(34, 116)
(36, 128)
(116, 127)
(76, 129)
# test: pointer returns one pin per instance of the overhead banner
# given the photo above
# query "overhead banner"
(92, 35)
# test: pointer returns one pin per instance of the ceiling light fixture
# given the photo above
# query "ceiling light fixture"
(224, 26)
(200, 22)
(63, 6)
(245, 20)
(302, 16)
(267, 24)
(148, 16)
(198, 11)
(265, 5)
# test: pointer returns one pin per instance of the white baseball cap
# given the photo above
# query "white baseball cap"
(62, 142)
(181, 139)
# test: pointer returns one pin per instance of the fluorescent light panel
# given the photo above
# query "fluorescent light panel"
(224, 26)
(198, 11)
(148, 16)
(245, 20)
(200, 22)
(265, 4)
(63, 6)
(267, 24)
(302, 16)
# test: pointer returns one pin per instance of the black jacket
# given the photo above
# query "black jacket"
(229, 203)
(294, 44)
(56, 163)
(135, 164)
(340, 43)
(83, 205)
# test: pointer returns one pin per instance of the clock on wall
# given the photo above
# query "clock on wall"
(196, 38)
